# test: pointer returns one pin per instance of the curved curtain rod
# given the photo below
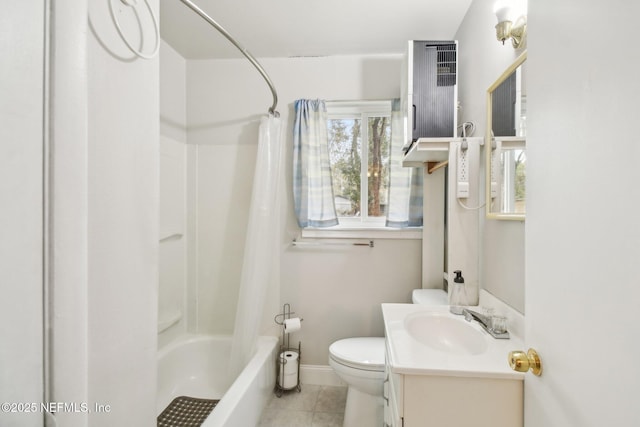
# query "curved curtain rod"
(251, 58)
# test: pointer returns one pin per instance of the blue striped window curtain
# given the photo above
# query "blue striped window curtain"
(312, 186)
(405, 184)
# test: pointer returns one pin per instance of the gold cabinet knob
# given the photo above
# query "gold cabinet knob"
(522, 362)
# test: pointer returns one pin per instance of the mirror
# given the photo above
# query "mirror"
(505, 144)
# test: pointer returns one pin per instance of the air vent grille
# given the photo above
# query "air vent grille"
(446, 65)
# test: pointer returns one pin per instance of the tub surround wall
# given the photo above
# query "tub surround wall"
(173, 308)
(173, 96)
(482, 59)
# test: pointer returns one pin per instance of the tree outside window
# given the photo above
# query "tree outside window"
(360, 174)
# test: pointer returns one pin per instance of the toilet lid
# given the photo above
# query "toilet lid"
(361, 353)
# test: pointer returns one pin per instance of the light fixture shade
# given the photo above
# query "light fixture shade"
(503, 11)
(509, 10)
(519, 8)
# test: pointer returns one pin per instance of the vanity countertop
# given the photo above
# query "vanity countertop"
(409, 356)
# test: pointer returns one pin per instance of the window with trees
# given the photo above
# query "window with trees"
(359, 151)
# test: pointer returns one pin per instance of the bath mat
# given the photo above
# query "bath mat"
(185, 411)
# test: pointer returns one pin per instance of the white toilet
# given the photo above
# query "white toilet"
(430, 297)
(360, 363)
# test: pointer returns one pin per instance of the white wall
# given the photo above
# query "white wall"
(463, 219)
(122, 222)
(21, 194)
(336, 291)
(482, 59)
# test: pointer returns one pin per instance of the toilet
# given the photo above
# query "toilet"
(360, 363)
(429, 297)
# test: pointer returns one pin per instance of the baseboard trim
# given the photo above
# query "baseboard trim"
(320, 375)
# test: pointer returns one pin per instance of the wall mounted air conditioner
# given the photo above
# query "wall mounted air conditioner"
(430, 90)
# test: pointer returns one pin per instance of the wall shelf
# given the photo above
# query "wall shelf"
(169, 320)
(427, 150)
(169, 236)
(518, 142)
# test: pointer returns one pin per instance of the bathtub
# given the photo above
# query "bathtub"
(197, 366)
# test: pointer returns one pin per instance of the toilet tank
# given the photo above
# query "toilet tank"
(429, 297)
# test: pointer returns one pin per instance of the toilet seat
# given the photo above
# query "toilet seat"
(366, 353)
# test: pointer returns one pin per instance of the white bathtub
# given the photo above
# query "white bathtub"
(197, 366)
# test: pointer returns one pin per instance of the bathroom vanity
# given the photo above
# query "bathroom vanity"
(442, 371)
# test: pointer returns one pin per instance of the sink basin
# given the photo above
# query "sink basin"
(444, 332)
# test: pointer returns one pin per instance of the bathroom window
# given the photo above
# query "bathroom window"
(373, 195)
(359, 143)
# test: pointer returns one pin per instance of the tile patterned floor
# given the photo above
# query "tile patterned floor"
(314, 406)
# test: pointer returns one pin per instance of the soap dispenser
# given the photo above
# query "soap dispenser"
(458, 298)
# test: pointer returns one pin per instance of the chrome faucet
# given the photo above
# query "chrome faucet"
(484, 321)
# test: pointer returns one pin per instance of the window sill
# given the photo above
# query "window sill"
(343, 232)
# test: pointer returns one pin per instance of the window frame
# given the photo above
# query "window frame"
(364, 226)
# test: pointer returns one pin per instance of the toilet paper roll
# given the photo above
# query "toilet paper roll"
(288, 377)
(292, 325)
(288, 381)
(290, 359)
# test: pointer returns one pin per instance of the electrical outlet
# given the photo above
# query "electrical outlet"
(495, 164)
(462, 187)
(463, 190)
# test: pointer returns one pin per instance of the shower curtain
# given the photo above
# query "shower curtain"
(261, 252)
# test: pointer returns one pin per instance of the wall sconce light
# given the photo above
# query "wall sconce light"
(512, 21)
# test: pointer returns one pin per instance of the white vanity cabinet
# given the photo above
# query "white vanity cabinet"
(393, 388)
(429, 387)
(441, 401)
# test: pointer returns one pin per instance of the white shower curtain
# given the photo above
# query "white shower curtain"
(261, 253)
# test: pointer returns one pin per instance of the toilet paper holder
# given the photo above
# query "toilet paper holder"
(286, 314)
(288, 376)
